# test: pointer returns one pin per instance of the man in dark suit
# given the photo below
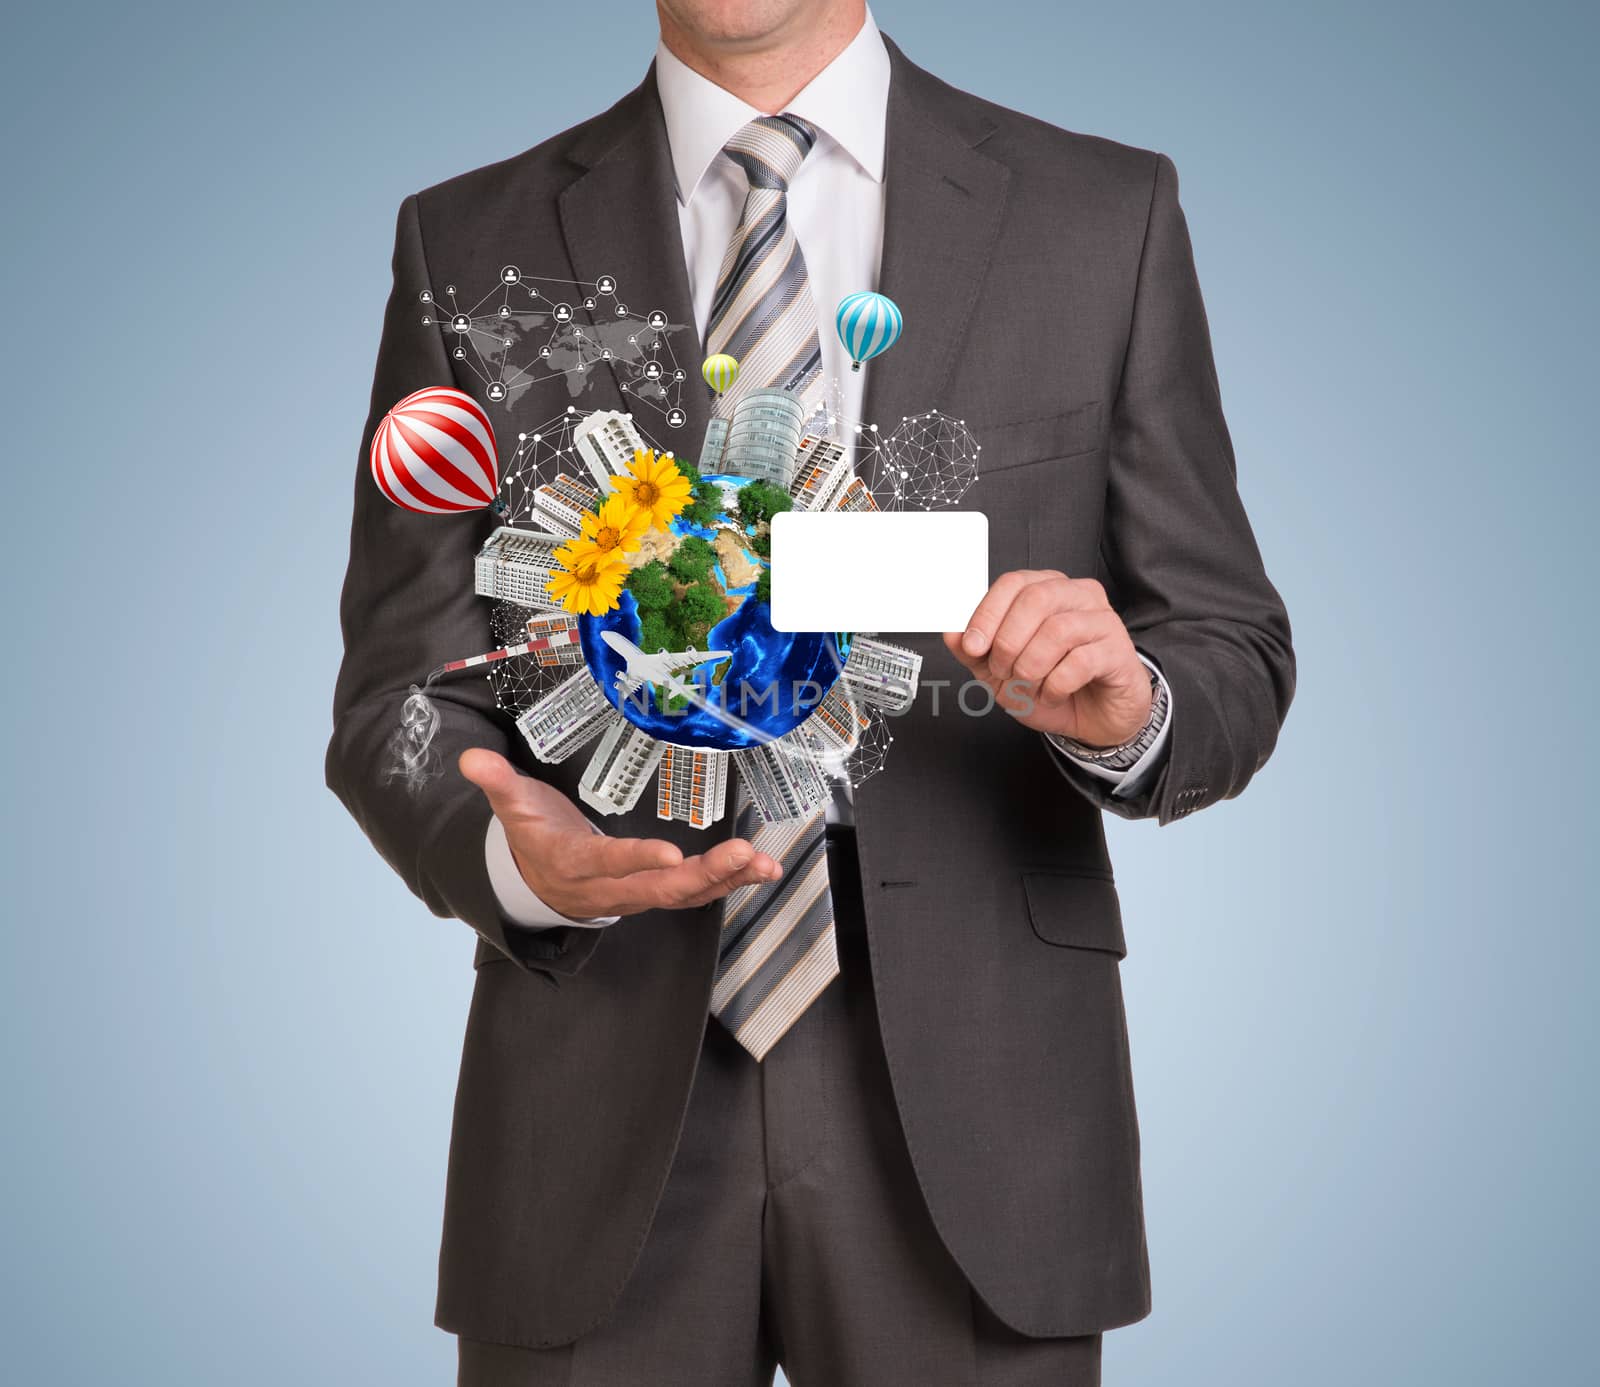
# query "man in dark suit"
(932, 1175)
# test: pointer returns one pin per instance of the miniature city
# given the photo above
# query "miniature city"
(787, 776)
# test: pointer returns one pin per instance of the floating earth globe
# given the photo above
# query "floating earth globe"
(703, 588)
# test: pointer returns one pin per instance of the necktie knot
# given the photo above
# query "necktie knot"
(770, 149)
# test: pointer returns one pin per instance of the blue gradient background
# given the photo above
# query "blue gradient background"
(1362, 997)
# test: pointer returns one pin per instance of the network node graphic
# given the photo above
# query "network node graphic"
(527, 328)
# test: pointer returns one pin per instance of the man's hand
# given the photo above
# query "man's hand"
(583, 874)
(1057, 658)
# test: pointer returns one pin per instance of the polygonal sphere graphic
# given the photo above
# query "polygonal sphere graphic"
(927, 462)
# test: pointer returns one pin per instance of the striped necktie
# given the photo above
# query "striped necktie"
(763, 314)
(777, 951)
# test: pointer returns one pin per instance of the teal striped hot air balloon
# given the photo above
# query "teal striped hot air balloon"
(868, 324)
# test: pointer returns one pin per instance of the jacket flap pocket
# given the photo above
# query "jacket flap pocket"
(1048, 436)
(1077, 910)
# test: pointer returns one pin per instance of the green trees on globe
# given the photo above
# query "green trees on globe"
(760, 501)
(650, 586)
(700, 609)
(705, 507)
(693, 560)
(678, 602)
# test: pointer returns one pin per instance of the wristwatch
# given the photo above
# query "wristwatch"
(1126, 755)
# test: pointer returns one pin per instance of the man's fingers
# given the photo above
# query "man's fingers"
(953, 643)
(698, 880)
(1055, 637)
(747, 876)
(986, 618)
(595, 855)
(1029, 610)
(734, 858)
(1082, 665)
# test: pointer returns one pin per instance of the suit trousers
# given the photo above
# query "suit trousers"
(792, 1231)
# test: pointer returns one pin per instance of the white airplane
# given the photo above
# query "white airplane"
(669, 669)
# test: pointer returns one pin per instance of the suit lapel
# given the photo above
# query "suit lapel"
(619, 217)
(944, 200)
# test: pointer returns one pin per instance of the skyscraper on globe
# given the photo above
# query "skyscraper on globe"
(711, 450)
(764, 436)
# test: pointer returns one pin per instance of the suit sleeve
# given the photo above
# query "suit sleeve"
(1180, 562)
(408, 606)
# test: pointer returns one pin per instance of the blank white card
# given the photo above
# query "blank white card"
(878, 571)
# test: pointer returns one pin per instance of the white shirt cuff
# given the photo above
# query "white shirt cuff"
(1126, 783)
(517, 899)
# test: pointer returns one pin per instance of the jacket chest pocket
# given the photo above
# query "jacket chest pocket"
(1042, 484)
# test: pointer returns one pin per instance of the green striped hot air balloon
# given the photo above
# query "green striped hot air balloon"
(720, 371)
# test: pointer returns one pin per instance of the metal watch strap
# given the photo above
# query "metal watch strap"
(1121, 758)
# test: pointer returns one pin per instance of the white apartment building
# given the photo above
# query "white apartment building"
(516, 566)
(571, 714)
(691, 785)
(561, 504)
(882, 674)
(783, 779)
(821, 472)
(619, 769)
(606, 440)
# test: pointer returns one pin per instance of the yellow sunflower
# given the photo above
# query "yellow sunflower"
(590, 582)
(618, 527)
(655, 486)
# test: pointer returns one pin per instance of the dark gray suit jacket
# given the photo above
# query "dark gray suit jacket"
(1050, 300)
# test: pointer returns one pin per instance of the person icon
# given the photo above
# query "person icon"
(563, 312)
(622, 310)
(589, 302)
(652, 370)
(657, 319)
(460, 353)
(510, 275)
(605, 353)
(678, 375)
(505, 310)
(544, 352)
(676, 418)
(607, 285)
(461, 323)
(426, 296)
(496, 391)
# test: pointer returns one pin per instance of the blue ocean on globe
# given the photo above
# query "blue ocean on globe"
(772, 683)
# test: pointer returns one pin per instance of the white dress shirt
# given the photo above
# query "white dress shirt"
(835, 205)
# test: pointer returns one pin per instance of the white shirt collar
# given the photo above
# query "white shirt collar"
(848, 101)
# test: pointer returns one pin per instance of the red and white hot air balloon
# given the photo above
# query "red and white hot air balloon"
(434, 453)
